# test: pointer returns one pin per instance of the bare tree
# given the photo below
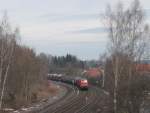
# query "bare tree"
(129, 35)
(7, 46)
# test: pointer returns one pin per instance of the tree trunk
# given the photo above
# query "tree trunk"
(116, 85)
(3, 86)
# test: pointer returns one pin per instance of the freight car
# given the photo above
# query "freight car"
(80, 82)
(54, 77)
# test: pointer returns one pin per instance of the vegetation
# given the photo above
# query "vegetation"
(68, 65)
(129, 37)
(19, 67)
(67, 61)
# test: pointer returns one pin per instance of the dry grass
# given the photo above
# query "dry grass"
(46, 91)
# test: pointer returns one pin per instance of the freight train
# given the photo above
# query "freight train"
(81, 83)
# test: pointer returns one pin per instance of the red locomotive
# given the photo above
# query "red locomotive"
(82, 83)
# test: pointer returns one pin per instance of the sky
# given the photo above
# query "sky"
(58, 27)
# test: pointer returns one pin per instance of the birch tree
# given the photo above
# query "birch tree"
(7, 46)
(129, 38)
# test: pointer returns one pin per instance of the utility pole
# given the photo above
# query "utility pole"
(103, 81)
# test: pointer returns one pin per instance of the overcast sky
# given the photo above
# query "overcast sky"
(58, 27)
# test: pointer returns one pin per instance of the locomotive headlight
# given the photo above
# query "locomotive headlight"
(84, 81)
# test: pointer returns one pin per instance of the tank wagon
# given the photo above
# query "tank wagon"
(81, 83)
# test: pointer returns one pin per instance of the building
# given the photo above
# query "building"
(143, 66)
(93, 72)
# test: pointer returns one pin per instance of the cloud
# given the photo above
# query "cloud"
(92, 30)
(69, 17)
(84, 50)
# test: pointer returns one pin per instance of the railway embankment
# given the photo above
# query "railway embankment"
(46, 96)
(70, 99)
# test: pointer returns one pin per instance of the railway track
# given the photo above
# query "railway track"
(57, 104)
(77, 101)
(91, 101)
